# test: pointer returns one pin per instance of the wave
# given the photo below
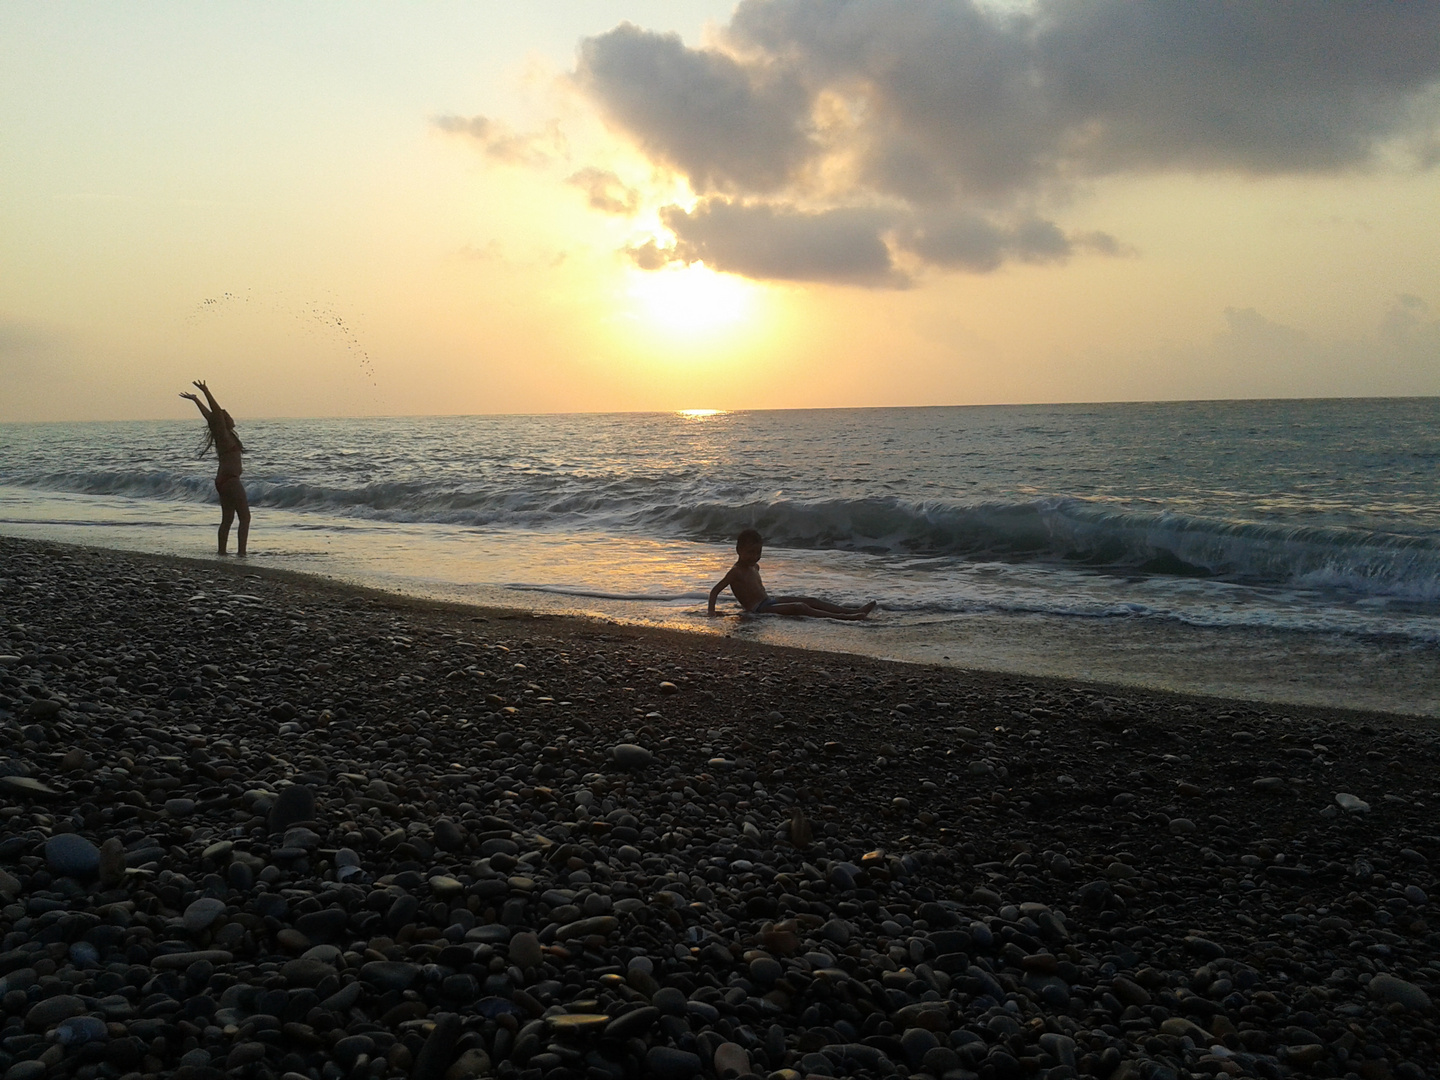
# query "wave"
(1089, 533)
(1097, 535)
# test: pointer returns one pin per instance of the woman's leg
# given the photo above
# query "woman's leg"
(233, 504)
(242, 511)
(227, 515)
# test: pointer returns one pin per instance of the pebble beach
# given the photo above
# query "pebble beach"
(263, 825)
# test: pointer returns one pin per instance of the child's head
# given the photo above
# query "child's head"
(749, 544)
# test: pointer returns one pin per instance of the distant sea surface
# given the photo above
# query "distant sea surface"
(1284, 550)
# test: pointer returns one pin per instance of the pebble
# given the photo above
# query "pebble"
(71, 855)
(630, 756)
(667, 1063)
(293, 805)
(1402, 992)
(202, 913)
(525, 950)
(731, 1060)
(495, 893)
(1351, 804)
(48, 1012)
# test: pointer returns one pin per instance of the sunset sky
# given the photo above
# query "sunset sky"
(359, 208)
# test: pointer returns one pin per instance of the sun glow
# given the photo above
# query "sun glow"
(692, 300)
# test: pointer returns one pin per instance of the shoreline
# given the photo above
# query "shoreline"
(1314, 666)
(322, 585)
(397, 836)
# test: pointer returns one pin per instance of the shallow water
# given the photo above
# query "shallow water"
(1262, 549)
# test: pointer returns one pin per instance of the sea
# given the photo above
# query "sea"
(1284, 551)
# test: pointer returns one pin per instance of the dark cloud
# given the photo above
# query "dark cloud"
(954, 116)
(500, 142)
(765, 241)
(605, 191)
(968, 241)
(725, 124)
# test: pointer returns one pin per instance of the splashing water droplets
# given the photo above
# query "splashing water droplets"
(316, 317)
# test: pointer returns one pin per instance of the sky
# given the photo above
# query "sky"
(360, 208)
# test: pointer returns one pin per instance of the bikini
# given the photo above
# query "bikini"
(223, 478)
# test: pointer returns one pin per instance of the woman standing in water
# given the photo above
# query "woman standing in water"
(228, 449)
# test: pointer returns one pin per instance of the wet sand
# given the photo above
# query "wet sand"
(260, 824)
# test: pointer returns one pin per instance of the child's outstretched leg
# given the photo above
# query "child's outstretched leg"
(813, 608)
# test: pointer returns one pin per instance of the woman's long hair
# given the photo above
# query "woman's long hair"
(219, 416)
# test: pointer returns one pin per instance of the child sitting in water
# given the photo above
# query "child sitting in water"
(744, 581)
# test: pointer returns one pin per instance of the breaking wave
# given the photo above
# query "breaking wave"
(1060, 531)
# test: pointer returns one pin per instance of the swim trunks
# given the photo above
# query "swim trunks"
(763, 606)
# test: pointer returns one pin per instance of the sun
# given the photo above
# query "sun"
(691, 300)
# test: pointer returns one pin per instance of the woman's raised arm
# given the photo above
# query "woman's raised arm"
(203, 411)
(214, 405)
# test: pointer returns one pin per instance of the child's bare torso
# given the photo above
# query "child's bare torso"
(746, 585)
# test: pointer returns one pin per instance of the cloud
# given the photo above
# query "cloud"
(500, 142)
(765, 241)
(969, 241)
(725, 124)
(953, 120)
(605, 191)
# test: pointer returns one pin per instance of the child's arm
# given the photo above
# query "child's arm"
(716, 591)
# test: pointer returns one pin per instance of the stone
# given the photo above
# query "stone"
(1185, 1029)
(202, 913)
(525, 950)
(599, 924)
(473, 1062)
(448, 835)
(1129, 992)
(1351, 804)
(632, 1023)
(306, 972)
(630, 756)
(71, 855)
(182, 960)
(439, 1046)
(1393, 989)
(1182, 827)
(47, 1012)
(112, 861)
(731, 1059)
(390, 974)
(23, 787)
(667, 1063)
(293, 805)
(348, 1050)
(916, 1042)
(78, 1030)
(578, 1023)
